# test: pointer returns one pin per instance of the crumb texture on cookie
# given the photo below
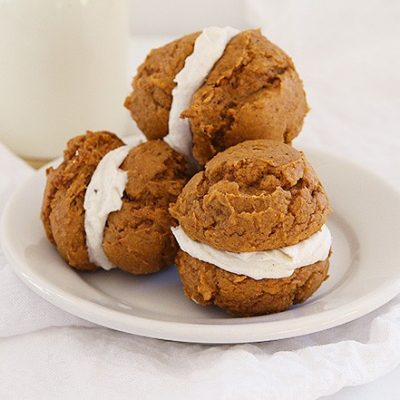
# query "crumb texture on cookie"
(243, 296)
(138, 237)
(258, 195)
(252, 92)
(62, 208)
(151, 98)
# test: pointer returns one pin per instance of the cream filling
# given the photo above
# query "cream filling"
(271, 264)
(208, 48)
(103, 196)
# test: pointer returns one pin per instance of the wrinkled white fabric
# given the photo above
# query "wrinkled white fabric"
(349, 57)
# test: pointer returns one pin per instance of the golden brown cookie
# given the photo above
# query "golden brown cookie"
(150, 100)
(259, 195)
(252, 92)
(243, 296)
(137, 238)
(255, 196)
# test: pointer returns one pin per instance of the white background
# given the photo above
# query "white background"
(348, 54)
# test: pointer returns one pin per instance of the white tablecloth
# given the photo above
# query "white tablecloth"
(348, 54)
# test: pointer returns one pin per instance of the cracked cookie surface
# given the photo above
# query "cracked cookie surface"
(255, 196)
(252, 92)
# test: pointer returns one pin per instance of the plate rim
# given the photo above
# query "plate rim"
(186, 331)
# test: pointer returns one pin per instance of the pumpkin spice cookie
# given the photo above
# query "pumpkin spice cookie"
(213, 89)
(252, 231)
(106, 205)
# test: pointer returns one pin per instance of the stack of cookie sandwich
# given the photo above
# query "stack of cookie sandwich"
(248, 231)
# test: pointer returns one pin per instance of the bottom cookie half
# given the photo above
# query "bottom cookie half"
(243, 296)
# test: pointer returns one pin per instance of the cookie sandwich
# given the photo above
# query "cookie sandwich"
(252, 230)
(213, 89)
(106, 205)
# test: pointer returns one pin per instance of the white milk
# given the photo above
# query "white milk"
(63, 70)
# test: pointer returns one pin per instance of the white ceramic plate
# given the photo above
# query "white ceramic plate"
(364, 271)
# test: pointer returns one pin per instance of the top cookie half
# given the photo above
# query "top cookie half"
(256, 196)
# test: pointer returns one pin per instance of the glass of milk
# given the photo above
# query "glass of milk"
(63, 70)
